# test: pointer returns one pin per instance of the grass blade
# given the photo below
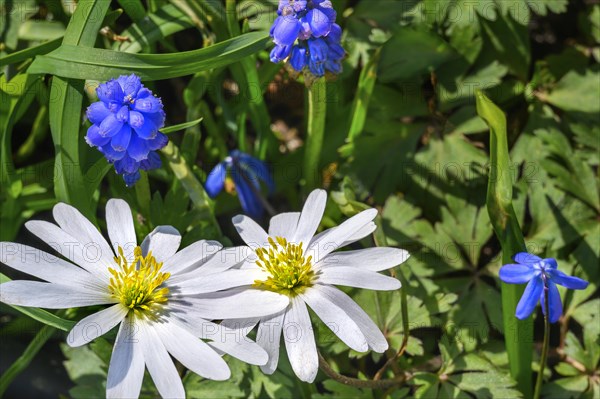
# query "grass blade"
(23, 361)
(317, 111)
(517, 333)
(30, 52)
(75, 62)
(366, 84)
(65, 110)
(41, 315)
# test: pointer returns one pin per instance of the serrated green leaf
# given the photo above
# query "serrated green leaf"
(409, 53)
(576, 91)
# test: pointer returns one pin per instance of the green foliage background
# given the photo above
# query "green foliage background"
(402, 134)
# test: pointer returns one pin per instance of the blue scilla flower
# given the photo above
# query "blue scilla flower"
(247, 172)
(125, 125)
(305, 33)
(539, 274)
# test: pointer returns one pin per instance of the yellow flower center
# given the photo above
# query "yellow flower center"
(137, 284)
(290, 272)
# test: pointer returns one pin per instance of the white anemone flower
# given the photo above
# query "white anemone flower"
(162, 299)
(292, 261)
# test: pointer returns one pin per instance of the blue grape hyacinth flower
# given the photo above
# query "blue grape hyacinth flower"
(306, 35)
(247, 172)
(125, 125)
(539, 274)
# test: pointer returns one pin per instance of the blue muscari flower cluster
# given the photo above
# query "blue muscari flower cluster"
(246, 172)
(312, 22)
(540, 275)
(125, 125)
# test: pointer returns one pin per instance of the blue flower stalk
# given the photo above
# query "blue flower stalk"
(306, 35)
(540, 275)
(247, 172)
(125, 124)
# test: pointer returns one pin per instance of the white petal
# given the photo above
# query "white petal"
(252, 234)
(310, 218)
(335, 318)
(49, 295)
(300, 341)
(284, 225)
(126, 369)
(237, 304)
(218, 281)
(269, 337)
(244, 350)
(192, 352)
(372, 333)
(228, 337)
(119, 223)
(374, 259)
(244, 326)
(78, 226)
(159, 363)
(226, 259)
(335, 237)
(235, 329)
(96, 325)
(358, 235)
(355, 277)
(223, 260)
(87, 256)
(163, 241)
(191, 257)
(47, 267)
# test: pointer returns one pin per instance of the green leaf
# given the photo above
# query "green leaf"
(134, 8)
(87, 371)
(25, 359)
(86, 63)
(315, 132)
(338, 390)
(36, 30)
(11, 20)
(166, 21)
(41, 315)
(410, 52)
(17, 96)
(30, 52)
(379, 160)
(504, 221)
(364, 90)
(542, 7)
(510, 42)
(574, 91)
(181, 126)
(197, 387)
(65, 110)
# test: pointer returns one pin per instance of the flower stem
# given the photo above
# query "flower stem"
(142, 193)
(355, 382)
(190, 183)
(317, 109)
(545, 346)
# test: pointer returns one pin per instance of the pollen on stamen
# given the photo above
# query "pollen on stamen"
(137, 284)
(290, 272)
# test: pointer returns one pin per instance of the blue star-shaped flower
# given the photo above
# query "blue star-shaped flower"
(246, 172)
(539, 274)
